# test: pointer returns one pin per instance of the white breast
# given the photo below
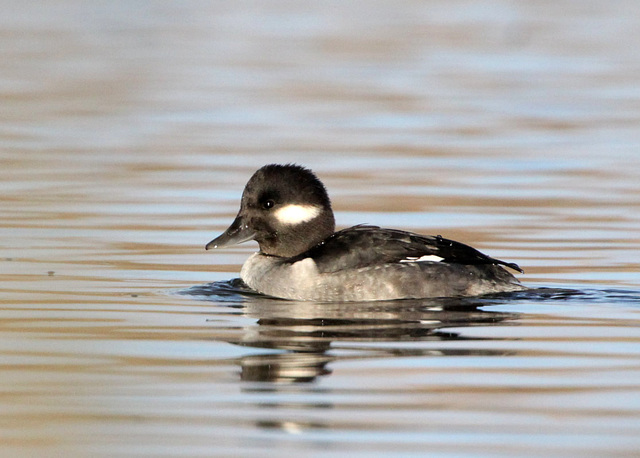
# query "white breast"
(275, 277)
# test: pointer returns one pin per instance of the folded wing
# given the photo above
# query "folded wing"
(362, 246)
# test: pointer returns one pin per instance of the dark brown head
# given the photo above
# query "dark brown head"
(285, 208)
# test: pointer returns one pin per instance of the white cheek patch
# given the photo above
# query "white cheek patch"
(296, 214)
(425, 258)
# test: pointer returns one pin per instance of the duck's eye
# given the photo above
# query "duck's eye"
(267, 204)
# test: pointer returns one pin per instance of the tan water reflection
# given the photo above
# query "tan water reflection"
(310, 332)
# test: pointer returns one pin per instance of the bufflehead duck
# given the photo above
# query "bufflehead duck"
(286, 209)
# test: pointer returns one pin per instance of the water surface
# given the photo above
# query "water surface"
(128, 132)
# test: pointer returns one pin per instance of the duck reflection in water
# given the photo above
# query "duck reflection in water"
(307, 336)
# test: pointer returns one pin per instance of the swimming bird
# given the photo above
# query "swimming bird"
(287, 210)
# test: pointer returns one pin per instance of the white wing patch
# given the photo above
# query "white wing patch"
(295, 214)
(425, 258)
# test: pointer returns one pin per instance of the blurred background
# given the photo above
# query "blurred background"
(129, 128)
